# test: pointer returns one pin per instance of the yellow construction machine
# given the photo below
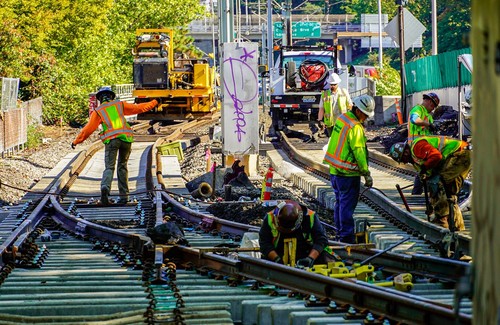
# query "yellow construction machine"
(185, 87)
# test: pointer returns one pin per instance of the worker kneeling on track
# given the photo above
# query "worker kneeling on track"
(293, 235)
(444, 164)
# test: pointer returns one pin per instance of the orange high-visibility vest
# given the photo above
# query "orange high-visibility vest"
(114, 123)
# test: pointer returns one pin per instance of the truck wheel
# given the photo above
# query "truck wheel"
(291, 72)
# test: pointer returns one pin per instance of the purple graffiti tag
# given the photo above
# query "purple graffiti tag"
(238, 70)
(247, 55)
(240, 117)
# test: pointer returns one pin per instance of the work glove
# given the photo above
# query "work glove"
(423, 174)
(278, 260)
(432, 128)
(321, 124)
(305, 262)
(368, 181)
(73, 146)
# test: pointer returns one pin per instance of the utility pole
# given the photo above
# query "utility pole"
(226, 21)
(287, 23)
(485, 232)
(434, 27)
(402, 57)
(380, 34)
(270, 44)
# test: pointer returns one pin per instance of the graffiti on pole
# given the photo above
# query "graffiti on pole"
(240, 95)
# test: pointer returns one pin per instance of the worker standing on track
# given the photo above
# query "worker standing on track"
(420, 123)
(444, 163)
(347, 155)
(293, 235)
(334, 102)
(117, 137)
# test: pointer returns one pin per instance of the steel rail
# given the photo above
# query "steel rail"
(399, 306)
(209, 222)
(57, 188)
(9, 247)
(424, 265)
(428, 231)
(86, 229)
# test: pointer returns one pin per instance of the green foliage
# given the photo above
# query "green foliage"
(453, 19)
(358, 7)
(65, 49)
(454, 25)
(308, 8)
(389, 82)
(35, 136)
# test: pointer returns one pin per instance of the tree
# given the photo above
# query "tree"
(65, 49)
(389, 80)
(358, 7)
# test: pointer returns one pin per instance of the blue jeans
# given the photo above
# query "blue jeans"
(346, 191)
(122, 149)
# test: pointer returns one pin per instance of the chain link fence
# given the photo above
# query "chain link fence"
(16, 117)
(10, 88)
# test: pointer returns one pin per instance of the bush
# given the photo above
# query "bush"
(34, 136)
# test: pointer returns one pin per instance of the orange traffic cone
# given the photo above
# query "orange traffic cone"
(398, 111)
(267, 185)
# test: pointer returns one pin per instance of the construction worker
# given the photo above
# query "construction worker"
(420, 122)
(293, 235)
(347, 156)
(334, 102)
(443, 163)
(117, 137)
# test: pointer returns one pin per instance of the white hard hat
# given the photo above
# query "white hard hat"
(334, 79)
(366, 104)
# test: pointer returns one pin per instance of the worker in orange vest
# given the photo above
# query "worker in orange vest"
(117, 137)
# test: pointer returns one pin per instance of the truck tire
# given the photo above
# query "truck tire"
(277, 120)
(291, 72)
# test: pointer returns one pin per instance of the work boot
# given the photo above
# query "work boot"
(104, 196)
(122, 200)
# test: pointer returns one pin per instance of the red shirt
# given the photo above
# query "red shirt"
(430, 155)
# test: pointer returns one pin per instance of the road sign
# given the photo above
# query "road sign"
(413, 28)
(300, 29)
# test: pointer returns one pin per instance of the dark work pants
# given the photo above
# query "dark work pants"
(418, 186)
(346, 191)
(122, 149)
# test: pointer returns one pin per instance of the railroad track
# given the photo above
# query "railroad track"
(394, 211)
(214, 280)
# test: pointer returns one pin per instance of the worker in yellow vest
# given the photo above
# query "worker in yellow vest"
(334, 102)
(347, 156)
(421, 123)
(117, 137)
(444, 163)
(293, 235)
